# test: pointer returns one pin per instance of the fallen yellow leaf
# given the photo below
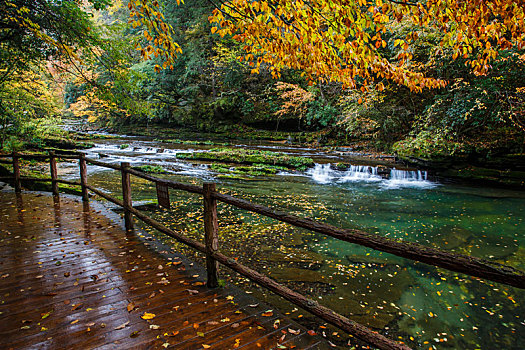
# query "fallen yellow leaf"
(147, 316)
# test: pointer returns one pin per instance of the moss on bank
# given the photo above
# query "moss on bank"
(243, 156)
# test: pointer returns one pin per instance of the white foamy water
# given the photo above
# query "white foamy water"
(325, 174)
(322, 173)
(361, 173)
(408, 178)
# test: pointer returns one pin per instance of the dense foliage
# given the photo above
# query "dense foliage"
(350, 72)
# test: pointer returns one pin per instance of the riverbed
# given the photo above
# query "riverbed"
(421, 305)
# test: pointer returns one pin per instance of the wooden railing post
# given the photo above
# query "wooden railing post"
(126, 196)
(83, 177)
(16, 172)
(54, 172)
(211, 236)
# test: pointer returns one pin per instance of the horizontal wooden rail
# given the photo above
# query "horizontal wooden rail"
(102, 164)
(172, 184)
(455, 262)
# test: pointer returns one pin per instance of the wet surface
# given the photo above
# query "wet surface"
(71, 278)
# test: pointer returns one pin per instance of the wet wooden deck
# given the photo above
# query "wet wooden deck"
(70, 278)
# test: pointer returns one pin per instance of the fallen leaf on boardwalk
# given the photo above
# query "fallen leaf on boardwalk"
(77, 306)
(235, 325)
(311, 332)
(213, 323)
(198, 283)
(46, 315)
(293, 331)
(206, 346)
(90, 324)
(193, 291)
(165, 345)
(195, 325)
(24, 327)
(43, 329)
(39, 276)
(134, 334)
(253, 305)
(102, 325)
(281, 339)
(226, 319)
(229, 297)
(279, 346)
(154, 326)
(89, 309)
(131, 306)
(147, 316)
(160, 267)
(152, 295)
(172, 334)
(267, 313)
(122, 326)
(67, 274)
(75, 321)
(237, 343)
(67, 301)
(200, 334)
(185, 323)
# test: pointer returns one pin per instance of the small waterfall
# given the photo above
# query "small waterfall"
(360, 173)
(405, 175)
(408, 178)
(322, 173)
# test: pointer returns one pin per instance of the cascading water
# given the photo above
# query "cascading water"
(360, 173)
(321, 173)
(326, 174)
(408, 178)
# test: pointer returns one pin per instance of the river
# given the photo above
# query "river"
(424, 306)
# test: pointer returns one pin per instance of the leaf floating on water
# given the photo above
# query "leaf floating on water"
(147, 316)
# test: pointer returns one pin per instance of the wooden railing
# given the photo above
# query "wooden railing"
(455, 262)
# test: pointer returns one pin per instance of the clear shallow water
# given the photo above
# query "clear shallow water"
(425, 306)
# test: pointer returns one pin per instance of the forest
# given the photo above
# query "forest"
(363, 160)
(417, 87)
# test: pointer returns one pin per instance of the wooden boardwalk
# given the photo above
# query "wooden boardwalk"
(70, 278)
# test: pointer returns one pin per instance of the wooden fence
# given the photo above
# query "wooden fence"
(455, 262)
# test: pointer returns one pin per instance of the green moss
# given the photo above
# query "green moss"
(153, 169)
(243, 156)
(248, 170)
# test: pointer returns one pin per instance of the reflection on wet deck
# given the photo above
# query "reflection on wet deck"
(70, 278)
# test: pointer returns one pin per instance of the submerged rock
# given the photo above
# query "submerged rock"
(293, 274)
